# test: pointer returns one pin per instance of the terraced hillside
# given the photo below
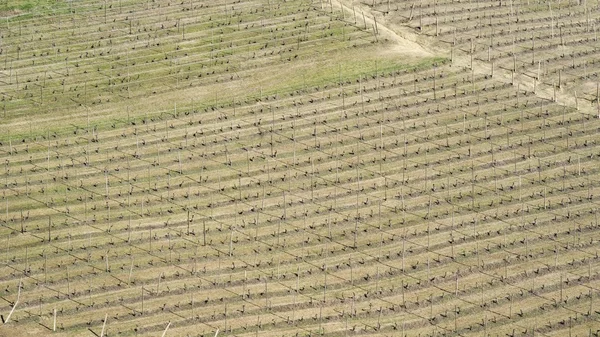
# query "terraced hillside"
(299, 168)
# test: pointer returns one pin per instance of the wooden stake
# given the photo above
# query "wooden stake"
(103, 325)
(16, 302)
(167, 328)
(561, 288)
(364, 20)
(130, 271)
(142, 298)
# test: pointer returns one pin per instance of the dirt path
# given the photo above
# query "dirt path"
(406, 40)
(400, 43)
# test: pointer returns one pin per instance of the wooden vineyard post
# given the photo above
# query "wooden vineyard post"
(456, 286)
(559, 78)
(471, 67)
(54, 324)
(364, 20)
(561, 288)
(231, 243)
(351, 273)
(355, 232)
(158, 284)
(421, 16)
(45, 267)
(591, 310)
(434, 91)
(454, 37)
(598, 98)
(403, 298)
(375, 33)
(130, 271)
(532, 49)
(192, 304)
(167, 328)
(510, 300)
(16, 302)
(266, 293)
(103, 325)
(514, 63)
(295, 294)
(403, 251)
(455, 319)
(325, 284)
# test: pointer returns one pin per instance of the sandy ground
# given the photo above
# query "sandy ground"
(402, 42)
(10, 332)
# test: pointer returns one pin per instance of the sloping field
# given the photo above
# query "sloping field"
(299, 168)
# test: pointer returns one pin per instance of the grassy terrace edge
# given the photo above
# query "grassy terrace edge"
(350, 71)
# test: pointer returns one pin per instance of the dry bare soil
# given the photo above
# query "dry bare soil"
(299, 168)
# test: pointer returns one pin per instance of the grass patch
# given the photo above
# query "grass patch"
(331, 71)
(22, 10)
(319, 71)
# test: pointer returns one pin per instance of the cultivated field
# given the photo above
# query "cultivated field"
(299, 168)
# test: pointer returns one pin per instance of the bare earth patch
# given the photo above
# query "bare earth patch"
(400, 43)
